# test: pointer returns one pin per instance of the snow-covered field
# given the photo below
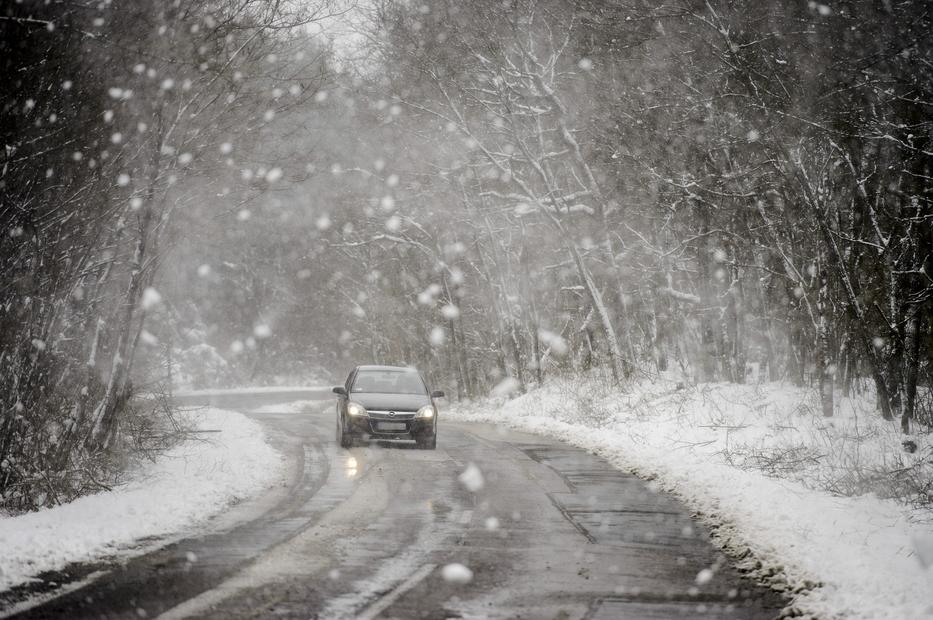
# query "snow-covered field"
(780, 484)
(181, 489)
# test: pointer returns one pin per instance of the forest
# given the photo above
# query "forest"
(205, 193)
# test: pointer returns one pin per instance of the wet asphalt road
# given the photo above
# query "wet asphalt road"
(553, 533)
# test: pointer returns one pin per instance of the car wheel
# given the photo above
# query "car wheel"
(429, 443)
(344, 438)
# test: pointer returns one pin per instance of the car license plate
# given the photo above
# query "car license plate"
(391, 426)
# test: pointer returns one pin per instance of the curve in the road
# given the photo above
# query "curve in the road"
(552, 532)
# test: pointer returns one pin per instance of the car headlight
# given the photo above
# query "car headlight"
(426, 412)
(356, 409)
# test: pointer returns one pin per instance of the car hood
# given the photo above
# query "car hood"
(391, 402)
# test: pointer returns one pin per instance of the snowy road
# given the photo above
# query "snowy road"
(547, 531)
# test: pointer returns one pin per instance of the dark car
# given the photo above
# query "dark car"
(386, 402)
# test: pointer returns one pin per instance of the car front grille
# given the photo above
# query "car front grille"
(392, 416)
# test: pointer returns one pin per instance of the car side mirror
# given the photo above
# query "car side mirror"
(340, 390)
(437, 394)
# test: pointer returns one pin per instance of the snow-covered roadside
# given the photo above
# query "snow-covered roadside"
(182, 488)
(297, 406)
(269, 389)
(712, 446)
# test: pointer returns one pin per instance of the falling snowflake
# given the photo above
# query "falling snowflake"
(150, 299)
(323, 222)
(472, 478)
(704, 576)
(262, 331)
(438, 336)
(506, 387)
(554, 341)
(457, 573)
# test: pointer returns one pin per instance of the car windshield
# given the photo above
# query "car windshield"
(388, 382)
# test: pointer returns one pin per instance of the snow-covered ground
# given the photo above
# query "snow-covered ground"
(181, 489)
(780, 484)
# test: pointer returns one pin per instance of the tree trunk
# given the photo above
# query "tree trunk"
(596, 298)
(738, 317)
(658, 353)
(825, 358)
(108, 408)
(464, 362)
(854, 305)
(914, 329)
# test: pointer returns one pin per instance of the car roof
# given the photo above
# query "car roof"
(391, 368)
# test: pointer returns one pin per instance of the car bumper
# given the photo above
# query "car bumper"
(365, 426)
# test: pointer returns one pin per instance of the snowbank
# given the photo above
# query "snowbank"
(759, 464)
(184, 487)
